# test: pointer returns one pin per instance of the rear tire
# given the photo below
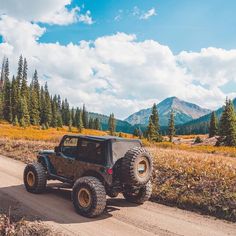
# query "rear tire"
(89, 196)
(35, 178)
(139, 196)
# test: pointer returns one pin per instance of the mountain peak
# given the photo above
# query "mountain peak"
(184, 112)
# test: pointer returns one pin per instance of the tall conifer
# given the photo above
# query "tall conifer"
(85, 117)
(112, 124)
(7, 108)
(213, 129)
(227, 130)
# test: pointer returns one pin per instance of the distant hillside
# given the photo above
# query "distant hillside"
(184, 112)
(121, 126)
(200, 125)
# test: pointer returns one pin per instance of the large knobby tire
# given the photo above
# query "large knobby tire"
(139, 196)
(89, 196)
(35, 178)
(136, 167)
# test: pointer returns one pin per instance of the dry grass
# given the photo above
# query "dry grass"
(195, 177)
(51, 134)
(195, 180)
(36, 133)
(22, 227)
(24, 150)
(196, 148)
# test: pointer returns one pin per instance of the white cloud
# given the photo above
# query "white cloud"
(117, 73)
(45, 11)
(211, 66)
(86, 18)
(148, 14)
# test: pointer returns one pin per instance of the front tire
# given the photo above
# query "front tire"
(140, 195)
(35, 178)
(89, 196)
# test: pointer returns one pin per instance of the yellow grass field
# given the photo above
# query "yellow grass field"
(196, 177)
(51, 134)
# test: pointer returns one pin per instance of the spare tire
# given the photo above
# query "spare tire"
(136, 167)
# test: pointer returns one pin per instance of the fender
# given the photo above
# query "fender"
(46, 163)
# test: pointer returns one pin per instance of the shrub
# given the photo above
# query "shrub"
(198, 140)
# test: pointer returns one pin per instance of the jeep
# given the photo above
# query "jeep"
(94, 166)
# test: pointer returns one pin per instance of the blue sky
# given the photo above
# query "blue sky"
(122, 56)
(180, 24)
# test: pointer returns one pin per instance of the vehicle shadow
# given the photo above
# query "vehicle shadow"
(53, 205)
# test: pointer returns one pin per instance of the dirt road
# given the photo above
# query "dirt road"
(121, 218)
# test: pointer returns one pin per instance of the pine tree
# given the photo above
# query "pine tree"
(34, 104)
(213, 129)
(24, 86)
(154, 123)
(36, 86)
(54, 112)
(59, 120)
(47, 108)
(85, 117)
(155, 118)
(2, 71)
(97, 124)
(112, 124)
(42, 108)
(171, 126)
(91, 123)
(80, 122)
(70, 125)
(24, 113)
(15, 121)
(15, 99)
(7, 108)
(151, 131)
(66, 112)
(22, 122)
(1, 88)
(59, 102)
(227, 125)
(19, 77)
(2, 75)
(73, 116)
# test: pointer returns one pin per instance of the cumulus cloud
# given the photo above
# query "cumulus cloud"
(117, 73)
(45, 11)
(148, 14)
(211, 66)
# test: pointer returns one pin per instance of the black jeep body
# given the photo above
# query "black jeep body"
(78, 156)
(95, 166)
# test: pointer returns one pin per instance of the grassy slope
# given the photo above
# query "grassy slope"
(186, 176)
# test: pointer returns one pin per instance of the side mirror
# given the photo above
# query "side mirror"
(57, 149)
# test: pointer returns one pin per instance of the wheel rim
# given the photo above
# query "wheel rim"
(30, 178)
(84, 197)
(143, 166)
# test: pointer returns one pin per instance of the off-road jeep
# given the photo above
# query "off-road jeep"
(94, 167)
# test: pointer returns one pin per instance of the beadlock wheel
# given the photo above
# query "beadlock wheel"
(35, 178)
(89, 196)
(30, 178)
(84, 197)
